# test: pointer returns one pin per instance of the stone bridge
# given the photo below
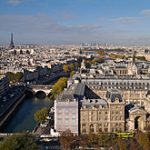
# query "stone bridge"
(2, 135)
(44, 88)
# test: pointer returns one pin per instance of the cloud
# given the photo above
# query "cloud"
(14, 2)
(146, 12)
(127, 20)
(43, 27)
(67, 15)
(40, 22)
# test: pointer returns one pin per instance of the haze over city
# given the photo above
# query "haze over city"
(75, 21)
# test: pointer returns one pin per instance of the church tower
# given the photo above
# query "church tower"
(11, 46)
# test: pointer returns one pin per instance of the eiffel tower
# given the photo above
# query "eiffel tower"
(11, 46)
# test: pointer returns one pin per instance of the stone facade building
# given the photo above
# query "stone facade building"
(83, 111)
(103, 115)
(132, 90)
(137, 119)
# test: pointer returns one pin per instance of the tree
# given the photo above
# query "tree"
(66, 68)
(143, 140)
(98, 60)
(23, 141)
(142, 58)
(71, 67)
(41, 114)
(83, 141)
(72, 73)
(14, 77)
(121, 144)
(88, 64)
(67, 140)
(92, 139)
(105, 139)
(58, 87)
(19, 76)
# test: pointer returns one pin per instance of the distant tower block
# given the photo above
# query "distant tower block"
(11, 46)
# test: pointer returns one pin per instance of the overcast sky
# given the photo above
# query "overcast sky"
(75, 21)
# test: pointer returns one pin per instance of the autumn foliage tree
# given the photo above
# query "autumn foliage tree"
(68, 67)
(67, 140)
(41, 114)
(143, 140)
(14, 77)
(58, 87)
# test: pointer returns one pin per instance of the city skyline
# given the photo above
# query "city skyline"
(75, 21)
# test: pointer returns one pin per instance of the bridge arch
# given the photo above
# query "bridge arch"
(44, 88)
(40, 94)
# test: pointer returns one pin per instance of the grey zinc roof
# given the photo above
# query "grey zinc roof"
(74, 91)
(80, 89)
(93, 102)
(112, 94)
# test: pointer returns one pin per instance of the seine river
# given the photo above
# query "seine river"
(23, 119)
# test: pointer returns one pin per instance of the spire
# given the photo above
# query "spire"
(11, 46)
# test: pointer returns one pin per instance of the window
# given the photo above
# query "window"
(74, 121)
(83, 125)
(73, 116)
(83, 130)
(59, 119)
(106, 129)
(106, 124)
(66, 121)
(100, 129)
(92, 128)
(67, 116)
(66, 111)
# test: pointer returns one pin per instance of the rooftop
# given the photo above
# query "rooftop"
(113, 95)
(75, 91)
(94, 102)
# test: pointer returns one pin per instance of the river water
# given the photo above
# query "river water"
(23, 119)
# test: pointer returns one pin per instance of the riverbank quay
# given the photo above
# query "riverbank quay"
(9, 104)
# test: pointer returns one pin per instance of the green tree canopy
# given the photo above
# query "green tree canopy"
(41, 114)
(23, 141)
(14, 77)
